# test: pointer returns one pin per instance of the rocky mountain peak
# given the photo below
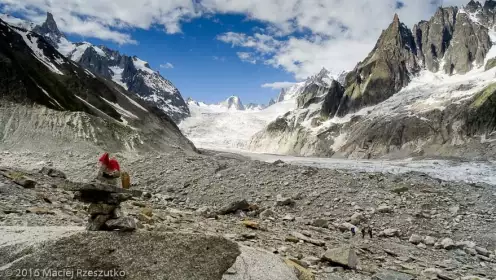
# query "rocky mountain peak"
(233, 102)
(473, 6)
(321, 78)
(50, 30)
(384, 72)
(396, 19)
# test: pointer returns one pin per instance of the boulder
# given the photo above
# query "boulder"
(392, 275)
(122, 224)
(25, 182)
(323, 223)
(482, 251)
(415, 239)
(390, 232)
(283, 201)
(52, 172)
(257, 264)
(429, 240)
(234, 206)
(97, 222)
(343, 256)
(448, 243)
(138, 255)
(347, 227)
(357, 218)
(100, 209)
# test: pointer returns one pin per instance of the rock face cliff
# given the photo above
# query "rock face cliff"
(414, 94)
(47, 97)
(130, 72)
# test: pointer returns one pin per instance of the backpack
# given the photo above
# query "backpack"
(126, 180)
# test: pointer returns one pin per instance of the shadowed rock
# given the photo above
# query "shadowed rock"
(142, 255)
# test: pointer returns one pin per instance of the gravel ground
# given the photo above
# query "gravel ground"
(295, 211)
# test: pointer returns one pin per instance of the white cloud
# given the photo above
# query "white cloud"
(108, 20)
(278, 85)
(261, 43)
(167, 65)
(335, 34)
(247, 57)
(299, 36)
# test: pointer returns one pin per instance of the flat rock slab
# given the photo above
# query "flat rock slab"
(257, 264)
(138, 255)
(93, 187)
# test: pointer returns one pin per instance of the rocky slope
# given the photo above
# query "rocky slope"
(418, 92)
(423, 228)
(130, 72)
(47, 97)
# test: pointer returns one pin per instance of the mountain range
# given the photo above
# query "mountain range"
(232, 103)
(425, 91)
(51, 102)
(130, 72)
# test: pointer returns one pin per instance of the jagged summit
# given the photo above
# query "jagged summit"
(50, 30)
(233, 102)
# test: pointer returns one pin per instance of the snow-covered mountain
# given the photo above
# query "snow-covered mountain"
(425, 91)
(233, 102)
(131, 73)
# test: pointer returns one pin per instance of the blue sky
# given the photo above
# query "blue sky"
(205, 68)
(220, 48)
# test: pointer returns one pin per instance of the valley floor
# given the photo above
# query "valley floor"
(423, 228)
(445, 169)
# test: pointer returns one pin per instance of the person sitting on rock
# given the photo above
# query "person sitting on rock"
(109, 171)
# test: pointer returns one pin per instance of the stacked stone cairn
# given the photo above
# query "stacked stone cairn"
(104, 209)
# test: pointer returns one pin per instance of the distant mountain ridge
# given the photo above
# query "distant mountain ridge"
(232, 103)
(130, 72)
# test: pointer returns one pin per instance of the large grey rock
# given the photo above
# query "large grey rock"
(344, 256)
(140, 255)
(25, 182)
(234, 206)
(101, 208)
(257, 264)
(121, 224)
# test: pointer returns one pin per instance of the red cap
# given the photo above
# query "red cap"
(104, 159)
(114, 165)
